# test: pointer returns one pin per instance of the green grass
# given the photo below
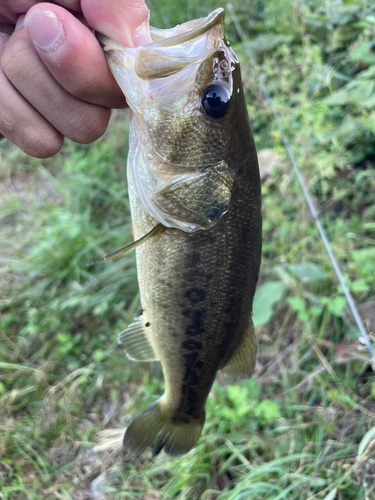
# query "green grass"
(303, 427)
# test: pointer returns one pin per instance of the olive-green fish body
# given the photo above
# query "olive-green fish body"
(193, 168)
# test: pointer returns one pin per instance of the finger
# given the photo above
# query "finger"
(19, 22)
(125, 21)
(22, 124)
(9, 10)
(73, 56)
(78, 120)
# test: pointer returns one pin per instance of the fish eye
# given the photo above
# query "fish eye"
(215, 101)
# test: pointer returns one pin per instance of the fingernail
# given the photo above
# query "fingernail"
(4, 37)
(19, 22)
(142, 36)
(44, 29)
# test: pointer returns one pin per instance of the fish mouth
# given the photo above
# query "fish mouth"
(163, 83)
(175, 49)
(172, 49)
(179, 47)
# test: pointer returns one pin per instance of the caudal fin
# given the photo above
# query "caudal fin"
(159, 428)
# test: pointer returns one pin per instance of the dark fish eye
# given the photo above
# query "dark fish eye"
(215, 101)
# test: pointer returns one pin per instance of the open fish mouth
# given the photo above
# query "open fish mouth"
(180, 172)
(179, 47)
(172, 49)
(184, 47)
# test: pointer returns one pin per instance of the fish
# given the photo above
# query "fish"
(195, 198)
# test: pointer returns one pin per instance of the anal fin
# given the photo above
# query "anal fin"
(136, 342)
(242, 362)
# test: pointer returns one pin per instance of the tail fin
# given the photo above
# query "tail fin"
(159, 428)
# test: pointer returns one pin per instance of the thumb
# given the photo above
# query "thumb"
(72, 55)
(125, 21)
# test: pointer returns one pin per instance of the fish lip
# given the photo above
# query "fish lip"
(172, 49)
(214, 18)
(203, 25)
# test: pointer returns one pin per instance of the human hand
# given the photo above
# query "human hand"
(54, 79)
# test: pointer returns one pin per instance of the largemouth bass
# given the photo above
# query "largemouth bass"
(194, 191)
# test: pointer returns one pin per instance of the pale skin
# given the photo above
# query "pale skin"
(54, 79)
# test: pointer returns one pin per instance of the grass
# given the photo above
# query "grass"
(303, 427)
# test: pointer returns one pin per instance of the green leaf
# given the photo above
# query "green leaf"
(363, 254)
(359, 92)
(252, 389)
(299, 305)
(267, 410)
(331, 495)
(366, 259)
(265, 298)
(367, 438)
(228, 414)
(63, 337)
(237, 394)
(335, 305)
(268, 41)
(307, 271)
(358, 286)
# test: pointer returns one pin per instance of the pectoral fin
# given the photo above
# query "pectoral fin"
(198, 199)
(242, 362)
(122, 251)
(135, 341)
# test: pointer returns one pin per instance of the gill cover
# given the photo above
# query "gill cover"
(179, 89)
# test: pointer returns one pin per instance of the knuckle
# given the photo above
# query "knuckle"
(16, 61)
(91, 125)
(44, 145)
(79, 86)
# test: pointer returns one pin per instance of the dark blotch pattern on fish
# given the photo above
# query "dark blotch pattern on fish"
(195, 295)
(190, 361)
(192, 345)
(192, 371)
(196, 327)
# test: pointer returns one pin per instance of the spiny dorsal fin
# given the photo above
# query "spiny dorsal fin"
(122, 251)
(136, 342)
(242, 362)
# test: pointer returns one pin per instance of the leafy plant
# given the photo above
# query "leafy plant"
(242, 405)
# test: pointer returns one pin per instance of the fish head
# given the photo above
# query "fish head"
(185, 92)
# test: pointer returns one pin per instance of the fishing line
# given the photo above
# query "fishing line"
(364, 338)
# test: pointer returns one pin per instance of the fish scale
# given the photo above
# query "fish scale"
(194, 193)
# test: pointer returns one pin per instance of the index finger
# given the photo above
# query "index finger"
(11, 10)
(125, 21)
